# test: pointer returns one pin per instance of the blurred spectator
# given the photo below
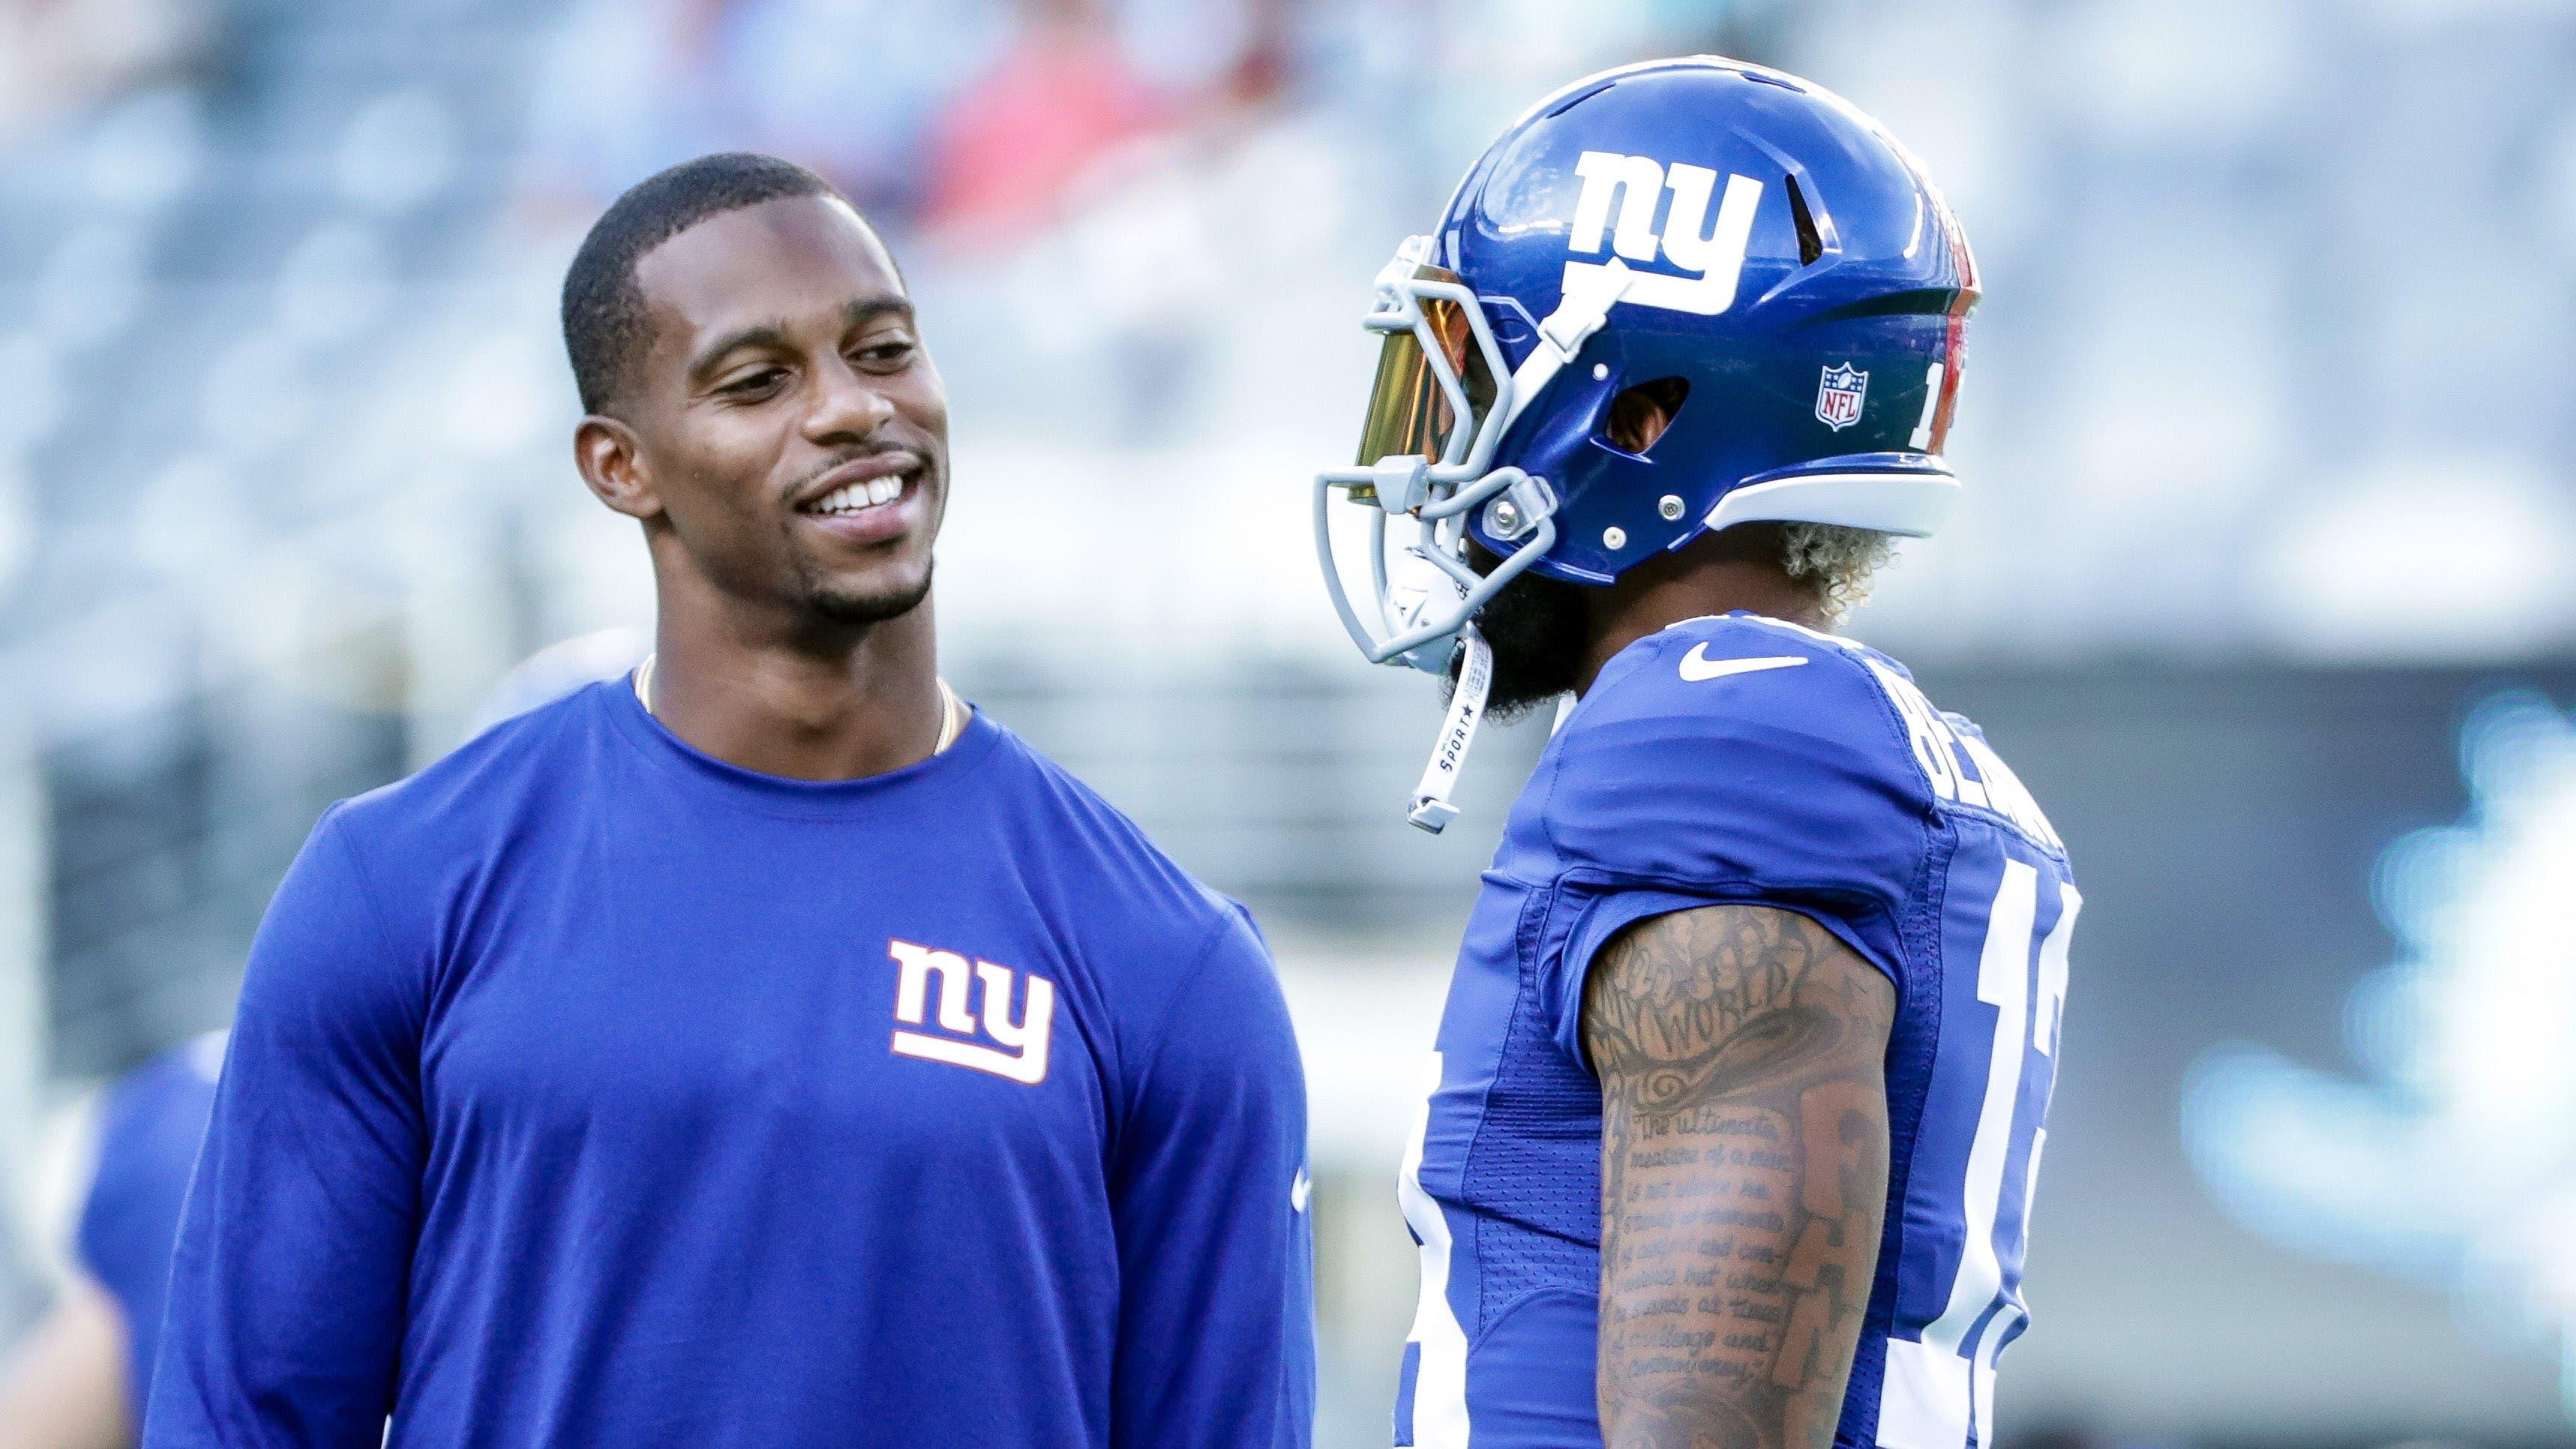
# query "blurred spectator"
(1011, 143)
(976, 116)
(849, 87)
(56, 55)
(844, 86)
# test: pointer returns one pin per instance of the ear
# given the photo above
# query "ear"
(611, 460)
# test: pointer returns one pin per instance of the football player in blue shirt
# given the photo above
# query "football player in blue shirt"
(764, 1048)
(1740, 1082)
(78, 1380)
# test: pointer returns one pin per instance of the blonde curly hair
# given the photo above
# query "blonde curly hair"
(1842, 563)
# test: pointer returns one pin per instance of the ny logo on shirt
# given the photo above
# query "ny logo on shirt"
(1022, 1054)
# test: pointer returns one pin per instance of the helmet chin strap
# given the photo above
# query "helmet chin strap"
(1582, 310)
(1432, 810)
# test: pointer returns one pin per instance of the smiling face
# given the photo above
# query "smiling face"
(786, 431)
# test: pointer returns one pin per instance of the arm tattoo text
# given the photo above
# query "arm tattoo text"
(1744, 1174)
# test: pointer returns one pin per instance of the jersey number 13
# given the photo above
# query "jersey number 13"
(1948, 1327)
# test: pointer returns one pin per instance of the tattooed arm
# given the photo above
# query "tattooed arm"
(1743, 1175)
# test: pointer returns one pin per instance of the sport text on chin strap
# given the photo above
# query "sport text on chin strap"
(1431, 808)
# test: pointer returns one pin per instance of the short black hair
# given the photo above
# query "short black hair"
(606, 329)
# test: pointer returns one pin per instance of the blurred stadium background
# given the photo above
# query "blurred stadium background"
(2263, 580)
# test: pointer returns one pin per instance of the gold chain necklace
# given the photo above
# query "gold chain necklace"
(952, 710)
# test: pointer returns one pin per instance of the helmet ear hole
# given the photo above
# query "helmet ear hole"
(1639, 415)
(1810, 245)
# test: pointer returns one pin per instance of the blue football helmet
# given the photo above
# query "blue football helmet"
(1745, 251)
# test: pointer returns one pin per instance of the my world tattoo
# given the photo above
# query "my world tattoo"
(1744, 1174)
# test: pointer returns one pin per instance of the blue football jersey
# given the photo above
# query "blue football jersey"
(1739, 759)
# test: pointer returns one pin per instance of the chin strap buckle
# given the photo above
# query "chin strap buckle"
(1584, 306)
(1431, 809)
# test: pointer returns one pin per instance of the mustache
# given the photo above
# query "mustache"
(804, 482)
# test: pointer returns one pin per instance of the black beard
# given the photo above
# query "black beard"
(832, 607)
(1540, 629)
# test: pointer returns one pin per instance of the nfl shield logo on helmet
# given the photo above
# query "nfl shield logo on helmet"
(1838, 396)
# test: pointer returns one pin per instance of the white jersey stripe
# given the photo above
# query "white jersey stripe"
(1440, 1375)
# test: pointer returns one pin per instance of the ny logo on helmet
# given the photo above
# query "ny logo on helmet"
(1637, 184)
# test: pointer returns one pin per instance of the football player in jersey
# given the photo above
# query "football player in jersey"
(762, 1047)
(1740, 1081)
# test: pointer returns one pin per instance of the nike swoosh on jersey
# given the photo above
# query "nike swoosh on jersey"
(1696, 665)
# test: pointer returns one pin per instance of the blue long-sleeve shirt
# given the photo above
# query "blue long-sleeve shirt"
(587, 1090)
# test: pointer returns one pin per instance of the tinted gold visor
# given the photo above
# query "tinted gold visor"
(1408, 412)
